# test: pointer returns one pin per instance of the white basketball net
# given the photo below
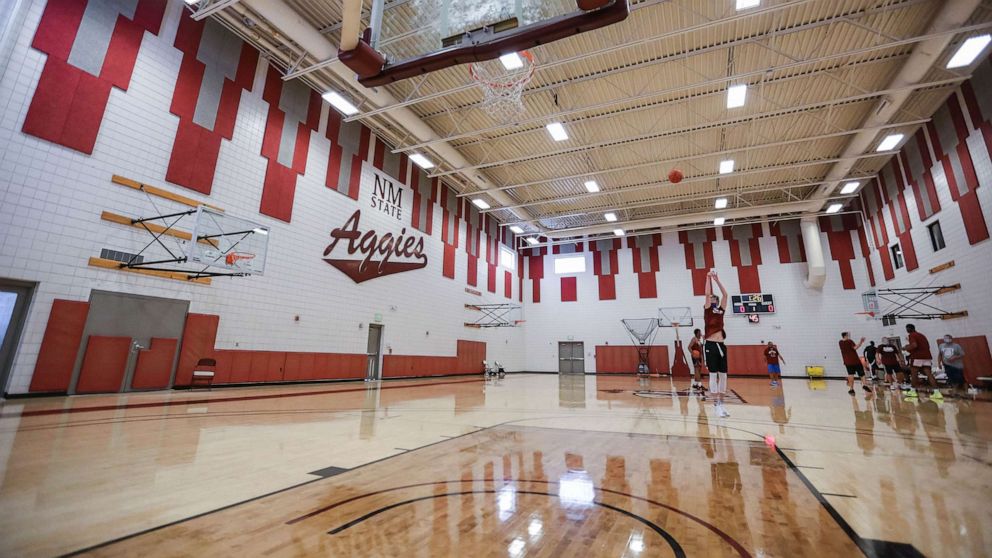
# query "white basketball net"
(502, 88)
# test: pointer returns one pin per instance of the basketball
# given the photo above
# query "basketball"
(675, 176)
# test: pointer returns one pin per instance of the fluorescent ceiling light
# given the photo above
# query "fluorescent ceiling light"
(969, 51)
(343, 105)
(850, 187)
(191, 2)
(745, 4)
(480, 203)
(516, 229)
(721, 203)
(531, 240)
(834, 208)
(511, 61)
(421, 161)
(611, 217)
(557, 131)
(260, 231)
(618, 232)
(592, 186)
(736, 95)
(889, 142)
(719, 221)
(727, 166)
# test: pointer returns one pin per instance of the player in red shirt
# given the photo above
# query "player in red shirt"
(696, 350)
(772, 357)
(920, 358)
(714, 347)
(888, 355)
(849, 352)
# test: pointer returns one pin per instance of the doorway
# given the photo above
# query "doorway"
(374, 349)
(571, 357)
(130, 343)
(15, 299)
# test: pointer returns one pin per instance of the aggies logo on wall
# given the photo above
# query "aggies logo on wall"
(364, 254)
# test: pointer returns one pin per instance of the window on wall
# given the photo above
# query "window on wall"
(936, 236)
(569, 265)
(897, 256)
(507, 258)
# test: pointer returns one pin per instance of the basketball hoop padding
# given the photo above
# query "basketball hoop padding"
(363, 60)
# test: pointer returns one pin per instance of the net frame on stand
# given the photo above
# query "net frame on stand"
(642, 332)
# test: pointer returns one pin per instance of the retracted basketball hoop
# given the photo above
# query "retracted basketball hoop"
(503, 84)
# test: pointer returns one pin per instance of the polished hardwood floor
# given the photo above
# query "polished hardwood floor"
(532, 465)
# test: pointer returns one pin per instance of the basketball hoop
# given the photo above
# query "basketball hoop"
(501, 87)
(234, 257)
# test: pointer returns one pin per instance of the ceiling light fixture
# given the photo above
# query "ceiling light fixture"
(745, 4)
(592, 186)
(557, 131)
(511, 61)
(721, 203)
(516, 229)
(850, 187)
(611, 217)
(618, 232)
(421, 161)
(834, 208)
(531, 240)
(480, 203)
(727, 167)
(719, 221)
(344, 106)
(969, 51)
(890, 142)
(736, 94)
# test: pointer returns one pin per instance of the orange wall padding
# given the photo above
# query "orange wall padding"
(977, 360)
(748, 360)
(622, 359)
(59, 346)
(198, 342)
(104, 364)
(468, 360)
(154, 364)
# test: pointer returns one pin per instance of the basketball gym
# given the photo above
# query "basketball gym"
(507, 278)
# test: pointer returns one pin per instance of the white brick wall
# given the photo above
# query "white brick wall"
(50, 225)
(806, 325)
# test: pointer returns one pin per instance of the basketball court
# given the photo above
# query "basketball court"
(495, 278)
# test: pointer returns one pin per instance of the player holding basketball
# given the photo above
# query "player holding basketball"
(696, 350)
(714, 347)
(918, 347)
(849, 352)
(772, 357)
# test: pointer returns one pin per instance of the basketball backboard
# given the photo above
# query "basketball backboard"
(234, 244)
(419, 27)
(675, 316)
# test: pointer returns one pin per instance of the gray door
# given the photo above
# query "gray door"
(15, 297)
(571, 358)
(374, 348)
(139, 317)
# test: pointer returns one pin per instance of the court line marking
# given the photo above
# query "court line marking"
(838, 495)
(672, 542)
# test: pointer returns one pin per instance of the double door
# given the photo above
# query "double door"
(571, 357)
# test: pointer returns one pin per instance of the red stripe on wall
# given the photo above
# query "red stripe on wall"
(607, 287)
(448, 266)
(908, 251)
(569, 289)
(647, 286)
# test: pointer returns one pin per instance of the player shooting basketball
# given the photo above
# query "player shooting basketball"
(714, 347)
